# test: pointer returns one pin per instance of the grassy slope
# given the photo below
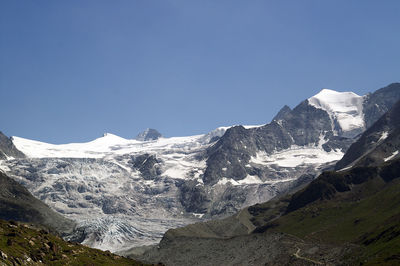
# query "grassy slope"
(21, 244)
(371, 221)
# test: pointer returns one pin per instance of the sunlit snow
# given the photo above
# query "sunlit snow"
(384, 136)
(250, 179)
(344, 107)
(391, 156)
(296, 156)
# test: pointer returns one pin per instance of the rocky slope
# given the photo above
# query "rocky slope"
(125, 192)
(378, 144)
(18, 204)
(24, 244)
(8, 149)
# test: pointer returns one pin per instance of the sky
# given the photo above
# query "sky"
(73, 70)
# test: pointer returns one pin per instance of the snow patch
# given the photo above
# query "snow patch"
(384, 136)
(297, 156)
(391, 156)
(198, 215)
(224, 181)
(250, 179)
(344, 169)
(252, 126)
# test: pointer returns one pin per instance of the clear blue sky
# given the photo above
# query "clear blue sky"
(72, 70)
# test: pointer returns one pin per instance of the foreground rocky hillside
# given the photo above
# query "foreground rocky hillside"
(24, 244)
(128, 192)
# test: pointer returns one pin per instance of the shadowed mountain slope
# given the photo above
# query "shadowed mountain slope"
(7, 148)
(18, 204)
(377, 144)
(23, 244)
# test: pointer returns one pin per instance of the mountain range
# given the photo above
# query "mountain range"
(350, 216)
(128, 192)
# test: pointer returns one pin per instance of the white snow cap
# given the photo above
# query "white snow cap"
(346, 108)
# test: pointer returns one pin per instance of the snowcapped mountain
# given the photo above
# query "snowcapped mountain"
(149, 134)
(345, 110)
(128, 192)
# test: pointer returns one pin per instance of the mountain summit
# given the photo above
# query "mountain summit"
(345, 109)
(149, 134)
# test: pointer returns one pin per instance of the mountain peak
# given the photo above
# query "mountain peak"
(327, 93)
(282, 113)
(149, 134)
(107, 134)
(344, 108)
(110, 136)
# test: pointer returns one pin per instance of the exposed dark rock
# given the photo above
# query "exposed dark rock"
(147, 164)
(17, 203)
(7, 148)
(149, 134)
(378, 142)
(193, 197)
(302, 126)
(282, 113)
(380, 102)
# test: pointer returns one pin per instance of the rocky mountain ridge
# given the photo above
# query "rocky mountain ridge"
(8, 149)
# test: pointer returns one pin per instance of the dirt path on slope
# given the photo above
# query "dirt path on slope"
(306, 259)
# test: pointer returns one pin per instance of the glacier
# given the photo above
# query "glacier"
(128, 192)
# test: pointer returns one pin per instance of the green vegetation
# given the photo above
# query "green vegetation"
(371, 222)
(24, 244)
